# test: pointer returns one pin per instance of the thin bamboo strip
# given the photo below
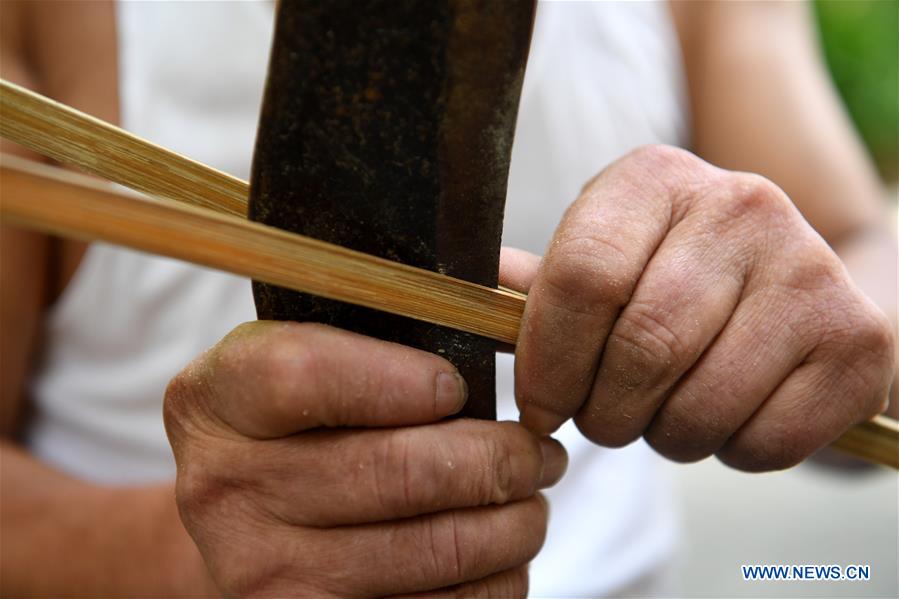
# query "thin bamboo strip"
(80, 140)
(68, 204)
(65, 203)
(876, 441)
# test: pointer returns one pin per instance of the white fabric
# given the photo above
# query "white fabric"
(602, 79)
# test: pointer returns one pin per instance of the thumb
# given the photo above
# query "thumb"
(517, 268)
(273, 379)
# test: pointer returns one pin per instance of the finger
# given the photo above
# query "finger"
(590, 270)
(766, 339)
(439, 550)
(404, 472)
(271, 379)
(837, 387)
(683, 300)
(517, 268)
(508, 585)
(788, 309)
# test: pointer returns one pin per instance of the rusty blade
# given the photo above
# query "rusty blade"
(387, 128)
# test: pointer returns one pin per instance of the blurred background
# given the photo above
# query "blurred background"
(861, 46)
(810, 515)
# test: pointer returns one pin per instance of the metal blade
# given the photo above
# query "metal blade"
(387, 128)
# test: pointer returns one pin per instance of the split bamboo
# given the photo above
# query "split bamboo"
(80, 140)
(72, 205)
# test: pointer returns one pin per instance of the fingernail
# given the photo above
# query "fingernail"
(540, 421)
(555, 462)
(452, 391)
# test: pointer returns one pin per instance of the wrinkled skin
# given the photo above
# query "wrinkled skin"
(695, 307)
(310, 462)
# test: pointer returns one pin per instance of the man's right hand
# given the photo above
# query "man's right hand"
(311, 462)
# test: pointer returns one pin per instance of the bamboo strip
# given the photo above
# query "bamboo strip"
(80, 140)
(65, 203)
(876, 441)
(68, 204)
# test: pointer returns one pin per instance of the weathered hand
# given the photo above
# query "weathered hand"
(695, 307)
(282, 499)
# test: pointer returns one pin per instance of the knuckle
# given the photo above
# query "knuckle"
(413, 474)
(280, 354)
(869, 344)
(292, 360)
(175, 406)
(815, 271)
(213, 471)
(498, 475)
(442, 544)
(230, 356)
(658, 160)
(241, 373)
(454, 548)
(293, 379)
(588, 272)
(672, 171)
(187, 411)
(681, 434)
(399, 483)
(218, 509)
(660, 157)
(251, 571)
(863, 388)
(861, 358)
(650, 349)
(237, 351)
(197, 486)
(753, 196)
(875, 334)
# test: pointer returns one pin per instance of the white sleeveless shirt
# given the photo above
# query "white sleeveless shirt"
(602, 78)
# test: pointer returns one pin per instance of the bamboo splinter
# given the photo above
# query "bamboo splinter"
(68, 204)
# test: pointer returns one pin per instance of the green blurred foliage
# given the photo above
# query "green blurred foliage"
(861, 45)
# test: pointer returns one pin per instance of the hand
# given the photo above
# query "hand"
(870, 257)
(695, 307)
(283, 499)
